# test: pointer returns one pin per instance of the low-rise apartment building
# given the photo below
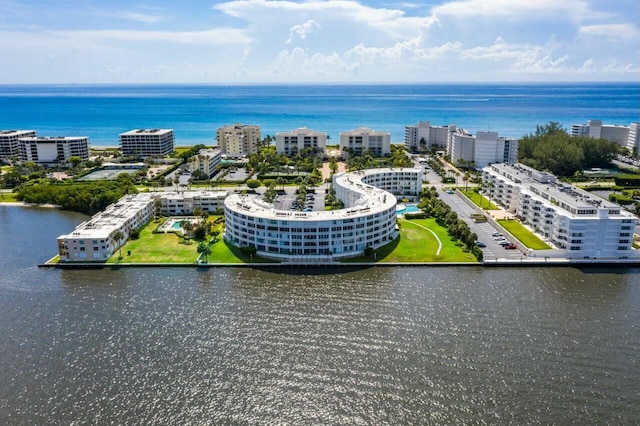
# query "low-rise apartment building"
(94, 239)
(206, 161)
(579, 225)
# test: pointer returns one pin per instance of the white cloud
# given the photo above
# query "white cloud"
(520, 9)
(612, 31)
(209, 37)
(302, 31)
(140, 17)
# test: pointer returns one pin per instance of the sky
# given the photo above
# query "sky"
(333, 41)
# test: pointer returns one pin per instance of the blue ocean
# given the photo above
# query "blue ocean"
(101, 112)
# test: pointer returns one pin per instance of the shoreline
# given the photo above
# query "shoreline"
(529, 263)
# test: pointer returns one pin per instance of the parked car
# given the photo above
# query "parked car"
(510, 246)
(480, 244)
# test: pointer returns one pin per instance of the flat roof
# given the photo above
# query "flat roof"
(569, 194)
(15, 132)
(135, 132)
(372, 200)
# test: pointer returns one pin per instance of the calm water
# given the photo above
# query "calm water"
(376, 346)
(195, 112)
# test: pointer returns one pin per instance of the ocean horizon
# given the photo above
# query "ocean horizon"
(103, 111)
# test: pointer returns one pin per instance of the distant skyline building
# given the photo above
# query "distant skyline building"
(290, 143)
(9, 144)
(239, 139)
(53, 150)
(147, 142)
(361, 139)
(626, 136)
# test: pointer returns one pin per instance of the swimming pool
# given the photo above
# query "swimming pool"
(407, 208)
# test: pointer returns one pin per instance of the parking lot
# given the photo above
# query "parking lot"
(486, 233)
(289, 201)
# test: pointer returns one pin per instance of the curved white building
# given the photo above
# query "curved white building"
(368, 219)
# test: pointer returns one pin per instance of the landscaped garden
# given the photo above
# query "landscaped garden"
(173, 247)
(421, 240)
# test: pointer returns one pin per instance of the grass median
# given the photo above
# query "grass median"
(479, 200)
(525, 236)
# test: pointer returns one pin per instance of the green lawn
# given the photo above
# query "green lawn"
(525, 236)
(7, 197)
(415, 244)
(419, 245)
(171, 248)
(156, 248)
(479, 200)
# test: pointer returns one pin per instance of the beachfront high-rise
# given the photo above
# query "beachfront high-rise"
(423, 136)
(357, 141)
(626, 136)
(147, 142)
(9, 144)
(291, 143)
(238, 140)
(53, 150)
(482, 149)
(461, 146)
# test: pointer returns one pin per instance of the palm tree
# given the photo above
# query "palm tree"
(204, 250)
(187, 227)
(118, 236)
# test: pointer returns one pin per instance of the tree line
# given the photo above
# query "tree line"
(83, 197)
(551, 148)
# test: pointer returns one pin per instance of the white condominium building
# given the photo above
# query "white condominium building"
(147, 142)
(368, 219)
(206, 161)
(626, 136)
(183, 203)
(577, 223)
(94, 239)
(423, 136)
(238, 140)
(359, 140)
(9, 144)
(482, 149)
(290, 143)
(460, 146)
(53, 150)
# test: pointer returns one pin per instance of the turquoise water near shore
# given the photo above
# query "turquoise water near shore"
(101, 112)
